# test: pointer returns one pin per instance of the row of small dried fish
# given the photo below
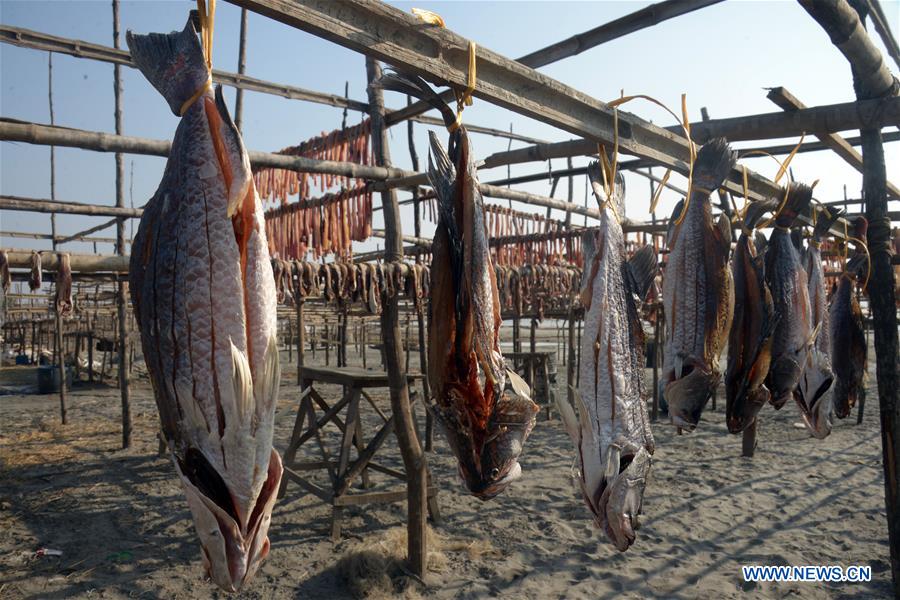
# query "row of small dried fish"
(330, 226)
(344, 145)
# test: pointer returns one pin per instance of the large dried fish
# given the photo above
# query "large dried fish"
(204, 298)
(815, 404)
(794, 334)
(485, 420)
(750, 339)
(37, 276)
(848, 339)
(698, 292)
(485, 423)
(612, 432)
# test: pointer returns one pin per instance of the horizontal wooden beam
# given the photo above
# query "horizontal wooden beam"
(788, 102)
(18, 203)
(36, 40)
(59, 239)
(48, 135)
(82, 263)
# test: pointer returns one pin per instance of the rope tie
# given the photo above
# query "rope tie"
(464, 99)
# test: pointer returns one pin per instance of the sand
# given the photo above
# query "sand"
(121, 522)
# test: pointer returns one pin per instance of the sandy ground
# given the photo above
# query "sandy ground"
(121, 522)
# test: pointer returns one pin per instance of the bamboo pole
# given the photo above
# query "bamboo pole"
(420, 313)
(52, 148)
(242, 67)
(404, 426)
(121, 304)
(27, 38)
(641, 19)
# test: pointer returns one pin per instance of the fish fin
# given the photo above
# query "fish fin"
(517, 384)
(641, 268)
(799, 196)
(173, 63)
(670, 230)
(857, 266)
(567, 414)
(243, 383)
(442, 176)
(266, 386)
(238, 159)
(723, 226)
(713, 163)
(413, 85)
(755, 212)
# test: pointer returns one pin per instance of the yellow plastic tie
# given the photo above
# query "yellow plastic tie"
(865, 247)
(787, 161)
(787, 193)
(207, 25)
(464, 99)
(426, 16)
(685, 125)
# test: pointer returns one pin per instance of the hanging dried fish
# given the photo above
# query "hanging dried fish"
(5, 278)
(36, 278)
(64, 303)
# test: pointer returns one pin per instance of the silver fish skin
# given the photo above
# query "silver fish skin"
(789, 285)
(698, 292)
(816, 405)
(204, 297)
(612, 432)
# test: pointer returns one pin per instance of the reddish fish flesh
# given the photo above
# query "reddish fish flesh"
(612, 432)
(698, 292)
(204, 298)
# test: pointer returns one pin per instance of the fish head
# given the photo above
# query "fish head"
(745, 413)
(784, 375)
(489, 467)
(816, 406)
(233, 545)
(617, 497)
(691, 385)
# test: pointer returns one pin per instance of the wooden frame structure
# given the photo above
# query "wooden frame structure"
(384, 33)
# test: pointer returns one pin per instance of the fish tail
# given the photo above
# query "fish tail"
(173, 62)
(799, 196)
(824, 223)
(713, 163)
(442, 176)
(642, 267)
(756, 210)
(413, 85)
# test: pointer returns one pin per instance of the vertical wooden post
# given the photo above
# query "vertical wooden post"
(120, 248)
(654, 406)
(301, 335)
(52, 149)
(60, 362)
(413, 457)
(420, 313)
(748, 442)
(242, 67)
(570, 357)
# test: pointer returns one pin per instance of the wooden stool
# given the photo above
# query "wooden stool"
(342, 472)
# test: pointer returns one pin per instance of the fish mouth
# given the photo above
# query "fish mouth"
(816, 407)
(753, 402)
(688, 395)
(784, 376)
(491, 488)
(618, 500)
(233, 545)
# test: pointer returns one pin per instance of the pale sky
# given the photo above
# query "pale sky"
(723, 57)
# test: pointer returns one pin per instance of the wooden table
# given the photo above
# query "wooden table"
(536, 369)
(343, 471)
